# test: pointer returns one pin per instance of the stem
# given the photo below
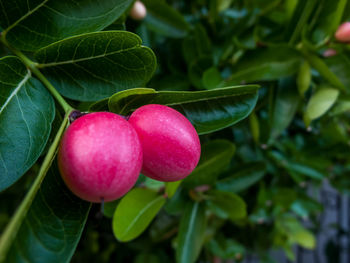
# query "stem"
(32, 66)
(12, 228)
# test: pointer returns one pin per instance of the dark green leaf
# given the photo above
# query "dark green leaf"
(191, 233)
(164, 19)
(53, 226)
(242, 179)
(32, 24)
(26, 113)
(328, 19)
(226, 205)
(171, 187)
(94, 66)
(304, 78)
(135, 212)
(339, 65)
(215, 157)
(207, 110)
(285, 106)
(266, 64)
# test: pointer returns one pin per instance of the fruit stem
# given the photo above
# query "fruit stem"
(11, 230)
(33, 67)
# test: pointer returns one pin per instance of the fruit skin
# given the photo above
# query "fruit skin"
(170, 144)
(343, 32)
(100, 157)
(138, 11)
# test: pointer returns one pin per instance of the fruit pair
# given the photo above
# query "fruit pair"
(101, 154)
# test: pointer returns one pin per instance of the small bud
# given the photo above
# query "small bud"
(138, 11)
(329, 53)
(343, 32)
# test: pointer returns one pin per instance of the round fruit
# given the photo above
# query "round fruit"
(100, 157)
(170, 144)
(343, 32)
(138, 11)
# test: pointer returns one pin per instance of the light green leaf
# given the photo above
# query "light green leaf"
(53, 225)
(226, 205)
(27, 111)
(212, 78)
(208, 111)
(93, 66)
(320, 102)
(32, 24)
(216, 155)
(135, 212)
(304, 78)
(191, 233)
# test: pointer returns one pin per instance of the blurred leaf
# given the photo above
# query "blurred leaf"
(285, 106)
(196, 70)
(339, 65)
(164, 19)
(191, 233)
(94, 66)
(30, 25)
(328, 19)
(254, 127)
(27, 111)
(226, 205)
(53, 225)
(135, 212)
(320, 102)
(216, 155)
(212, 78)
(295, 232)
(246, 176)
(265, 64)
(208, 111)
(226, 248)
(325, 70)
(147, 257)
(171, 187)
(304, 78)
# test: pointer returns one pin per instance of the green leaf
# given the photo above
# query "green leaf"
(266, 64)
(328, 19)
(208, 111)
(212, 78)
(53, 225)
(27, 111)
(320, 102)
(171, 187)
(197, 69)
(339, 65)
(94, 66)
(295, 232)
(135, 212)
(164, 19)
(242, 179)
(285, 106)
(29, 25)
(304, 78)
(226, 205)
(215, 157)
(325, 70)
(191, 233)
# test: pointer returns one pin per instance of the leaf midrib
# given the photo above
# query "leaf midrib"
(150, 204)
(15, 91)
(52, 64)
(24, 17)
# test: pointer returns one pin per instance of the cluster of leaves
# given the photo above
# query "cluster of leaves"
(249, 191)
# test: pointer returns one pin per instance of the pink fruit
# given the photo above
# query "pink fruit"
(138, 11)
(170, 144)
(343, 32)
(100, 157)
